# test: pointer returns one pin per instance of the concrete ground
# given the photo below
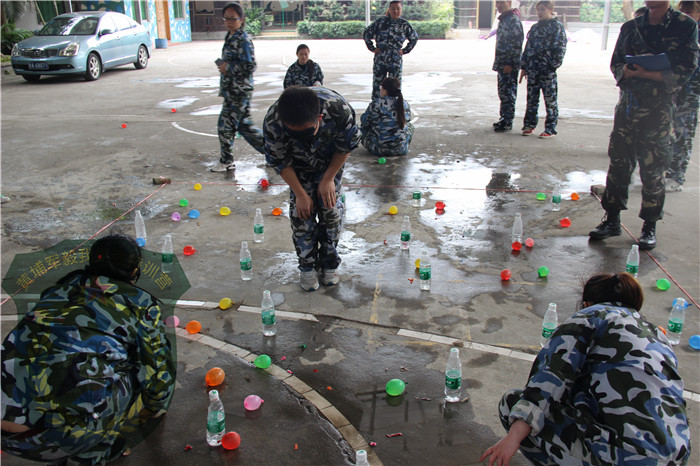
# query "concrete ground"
(70, 169)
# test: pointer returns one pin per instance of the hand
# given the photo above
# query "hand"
(400, 51)
(376, 51)
(326, 191)
(634, 71)
(501, 452)
(522, 75)
(304, 206)
(223, 67)
(507, 69)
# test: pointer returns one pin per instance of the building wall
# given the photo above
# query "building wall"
(180, 28)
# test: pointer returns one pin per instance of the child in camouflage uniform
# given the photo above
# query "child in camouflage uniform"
(304, 71)
(386, 127)
(236, 66)
(544, 53)
(389, 33)
(605, 389)
(309, 134)
(86, 372)
(509, 45)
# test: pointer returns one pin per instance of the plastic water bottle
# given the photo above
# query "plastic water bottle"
(453, 377)
(556, 198)
(166, 258)
(632, 266)
(405, 233)
(416, 193)
(517, 234)
(424, 271)
(361, 458)
(246, 262)
(549, 324)
(342, 194)
(258, 228)
(216, 419)
(140, 226)
(269, 323)
(675, 322)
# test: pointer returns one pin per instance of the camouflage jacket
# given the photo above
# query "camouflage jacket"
(676, 36)
(87, 341)
(239, 54)
(379, 123)
(509, 41)
(389, 36)
(545, 47)
(337, 133)
(299, 75)
(620, 372)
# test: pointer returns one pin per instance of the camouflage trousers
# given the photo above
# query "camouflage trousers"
(316, 238)
(388, 145)
(685, 121)
(507, 93)
(383, 68)
(547, 84)
(235, 116)
(641, 134)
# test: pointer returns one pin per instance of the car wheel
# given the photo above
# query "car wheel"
(93, 69)
(141, 58)
(32, 78)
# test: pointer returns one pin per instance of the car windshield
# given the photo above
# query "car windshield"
(71, 25)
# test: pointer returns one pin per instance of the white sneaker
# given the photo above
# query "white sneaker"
(222, 167)
(4, 199)
(673, 186)
(330, 277)
(309, 280)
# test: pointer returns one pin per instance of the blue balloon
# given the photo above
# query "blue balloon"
(141, 242)
(193, 213)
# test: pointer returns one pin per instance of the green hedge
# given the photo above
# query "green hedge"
(354, 29)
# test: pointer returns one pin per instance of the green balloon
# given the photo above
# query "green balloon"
(663, 284)
(543, 271)
(263, 361)
(183, 202)
(541, 197)
(395, 387)
(381, 160)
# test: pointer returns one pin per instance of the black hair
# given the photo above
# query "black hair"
(392, 86)
(298, 105)
(115, 256)
(690, 5)
(309, 63)
(613, 288)
(303, 46)
(238, 9)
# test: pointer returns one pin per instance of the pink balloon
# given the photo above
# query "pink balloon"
(172, 321)
(252, 402)
(175, 216)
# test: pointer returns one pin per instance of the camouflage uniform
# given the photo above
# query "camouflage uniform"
(642, 126)
(685, 120)
(544, 53)
(315, 241)
(236, 87)
(389, 36)
(299, 75)
(509, 44)
(381, 134)
(604, 390)
(80, 366)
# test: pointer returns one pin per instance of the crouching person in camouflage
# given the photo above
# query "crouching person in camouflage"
(605, 389)
(86, 372)
(309, 134)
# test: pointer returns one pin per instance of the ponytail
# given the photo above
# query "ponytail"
(622, 288)
(392, 86)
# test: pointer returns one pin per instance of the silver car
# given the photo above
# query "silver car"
(84, 43)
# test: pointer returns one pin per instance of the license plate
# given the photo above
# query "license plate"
(38, 66)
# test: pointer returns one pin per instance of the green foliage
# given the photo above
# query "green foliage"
(14, 10)
(11, 35)
(413, 10)
(354, 29)
(253, 21)
(435, 29)
(592, 10)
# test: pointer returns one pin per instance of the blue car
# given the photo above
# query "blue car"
(85, 43)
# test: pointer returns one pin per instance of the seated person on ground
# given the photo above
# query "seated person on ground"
(386, 127)
(304, 71)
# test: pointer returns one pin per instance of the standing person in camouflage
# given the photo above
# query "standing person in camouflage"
(236, 65)
(309, 134)
(685, 118)
(304, 71)
(544, 53)
(386, 124)
(642, 125)
(509, 45)
(605, 389)
(389, 33)
(84, 371)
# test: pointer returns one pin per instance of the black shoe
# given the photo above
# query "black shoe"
(502, 127)
(610, 226)
(648, 238)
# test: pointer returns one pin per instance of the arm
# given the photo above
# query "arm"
(319, 75)
(559, 46)
(368, 35)
(504, 449)
(326, 187)
(513, 41)
(157, 374)
(303, 201)
(287, 78)
(412, 37)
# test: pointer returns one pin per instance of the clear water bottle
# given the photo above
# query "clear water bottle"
(675, 322)
(517, 234)
(246, 262)
(342, 194)
(258, 227)
(216, 419)
(556, 198)
(140, 227)
(424, 271)
(453, 377)
(549, 324)
(416, 193)
(361, 458)
(632, 265)
(269, 323)
(405, 233)
(166, 258)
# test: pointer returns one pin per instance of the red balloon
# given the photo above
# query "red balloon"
(517, 245)
(529, 242)
(231, 440)
(439, 205)
(264, 183)
(565, 222)
(123, 125)
(188, 250)
(505, 274)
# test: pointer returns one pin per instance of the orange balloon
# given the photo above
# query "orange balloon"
(575, 197)
(193, 326)
(215, 376)
(276, 211)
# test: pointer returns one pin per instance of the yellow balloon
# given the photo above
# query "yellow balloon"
(418, 263)
(197, 187)
(224, 211)
(393, 210)
(225, 303)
